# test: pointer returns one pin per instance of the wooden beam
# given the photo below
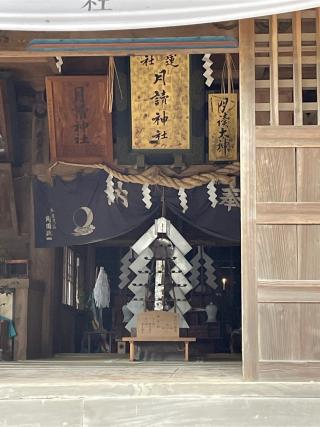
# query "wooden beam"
(286, 60)
(287, 106)
(288, 136)
(14, 54)
(288, 213)
(287, 83)
(290, 291)
(248, 200)
(285, 37)
(289, 370)
(297, 69)
(274, 74)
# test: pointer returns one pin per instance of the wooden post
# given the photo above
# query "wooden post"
(131, 351)
(43, 273)
(318, 61)
(186, 351)
(297, 69)
(274, 73)
(248, 200)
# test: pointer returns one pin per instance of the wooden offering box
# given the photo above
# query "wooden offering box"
(80, 125)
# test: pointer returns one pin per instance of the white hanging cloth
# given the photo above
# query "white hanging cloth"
(95, 15)
(101, 291)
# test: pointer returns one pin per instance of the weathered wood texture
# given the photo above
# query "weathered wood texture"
(277, 252)
(289, 371)
(13, 44)
(308, 174)
(288, 213)
(8, 216)
(6, 140)
(289, 291)
(276, 175)
(288, 67)
(288, 196)
(248, 200)
(79, 122)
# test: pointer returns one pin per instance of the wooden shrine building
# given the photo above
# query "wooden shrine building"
(271, 64)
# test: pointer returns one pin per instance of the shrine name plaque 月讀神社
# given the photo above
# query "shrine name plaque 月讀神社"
(160, 102)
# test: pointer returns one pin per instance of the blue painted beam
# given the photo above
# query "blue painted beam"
(132, 44)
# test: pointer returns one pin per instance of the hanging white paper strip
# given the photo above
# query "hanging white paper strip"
(183, 199)
(111, 197)
(146, 192)
(208, 74)
(212, 193)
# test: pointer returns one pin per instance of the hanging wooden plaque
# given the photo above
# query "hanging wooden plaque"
(80, 125)
(160, 102)
(8, 215)
(222, 120)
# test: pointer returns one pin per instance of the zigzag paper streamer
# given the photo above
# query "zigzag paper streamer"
(183, 199)
(142, 272)
(208, 74)
(146, 192)
(209, 271)
(212, 192)
(111, 197)
(124, 270)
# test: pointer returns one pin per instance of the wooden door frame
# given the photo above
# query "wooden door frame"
(250, 354)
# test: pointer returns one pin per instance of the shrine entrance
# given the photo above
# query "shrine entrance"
(210, 311)
(192, 210)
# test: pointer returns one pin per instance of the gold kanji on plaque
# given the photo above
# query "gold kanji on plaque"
(222, 120)
(160, 102)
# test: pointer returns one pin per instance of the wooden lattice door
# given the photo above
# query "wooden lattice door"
(280, 185)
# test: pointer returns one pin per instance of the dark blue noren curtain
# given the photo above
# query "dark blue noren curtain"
(78, 212)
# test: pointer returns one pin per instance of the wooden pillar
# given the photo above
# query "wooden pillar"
(274, 73)
(318, 61)
(42, 275)
(297, 69)
(131, 351)
(186, 351)
(248, 199)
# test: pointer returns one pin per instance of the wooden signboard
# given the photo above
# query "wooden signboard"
(80, 125)
(8, 216)
(222, 120)
(160, 102)
(158, 324)
(5, 122)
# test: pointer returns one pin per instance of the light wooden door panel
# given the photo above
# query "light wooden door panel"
(276, 175)
(289, 332)
(309, 252)
(310, 331)
(281, 219)
(277, 252)
(308, 174)
(279, 331)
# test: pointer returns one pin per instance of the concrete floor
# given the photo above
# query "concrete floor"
(114, 392)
